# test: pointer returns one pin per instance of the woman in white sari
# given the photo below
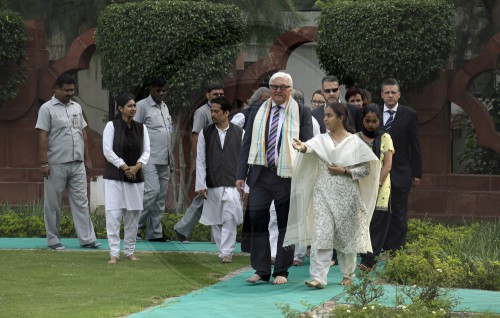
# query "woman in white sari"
(334, 190)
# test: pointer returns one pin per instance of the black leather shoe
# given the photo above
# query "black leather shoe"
(91, 245)
(181, 237)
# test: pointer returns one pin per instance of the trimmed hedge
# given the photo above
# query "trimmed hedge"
(464, 256)
(29, 222)
(190, 43)
(369, 40)
(12, 53)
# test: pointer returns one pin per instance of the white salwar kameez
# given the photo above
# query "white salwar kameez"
(122, 199)
(333, 211)
(223, 208)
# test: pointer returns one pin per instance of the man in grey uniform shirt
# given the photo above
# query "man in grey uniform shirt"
(202, 118)
(153, 113)
(64, 159)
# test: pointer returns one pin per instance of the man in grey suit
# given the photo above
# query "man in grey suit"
(64, 162)
(331, 91)
(401, 123)
(266, 166)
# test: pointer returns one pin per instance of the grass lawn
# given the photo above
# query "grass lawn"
(81, 284)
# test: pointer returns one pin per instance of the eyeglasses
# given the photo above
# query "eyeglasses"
(331, 90)
(282, 87)
(317, 101)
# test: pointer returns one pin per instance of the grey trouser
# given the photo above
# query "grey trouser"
(155, 193)
(193, 214)
(72, 177)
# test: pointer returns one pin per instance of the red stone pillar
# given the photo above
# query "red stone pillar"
(19, 175)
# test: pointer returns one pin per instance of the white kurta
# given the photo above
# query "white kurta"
(118, 194)
(223, 203)
(318, 198)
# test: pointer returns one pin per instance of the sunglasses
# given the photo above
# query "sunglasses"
(331, 90)
(282, 87)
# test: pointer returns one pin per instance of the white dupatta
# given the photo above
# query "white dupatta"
(351, 151)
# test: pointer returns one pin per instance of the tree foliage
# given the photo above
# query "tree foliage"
(368, 40)
(12, 53)
(190, 43)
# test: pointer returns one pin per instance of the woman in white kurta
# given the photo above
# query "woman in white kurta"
(334, 189)
(126, 148)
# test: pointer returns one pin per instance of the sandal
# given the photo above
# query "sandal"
(364, 268)
(315, 284)
(346, 282)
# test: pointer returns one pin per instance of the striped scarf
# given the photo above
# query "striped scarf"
(289, 130)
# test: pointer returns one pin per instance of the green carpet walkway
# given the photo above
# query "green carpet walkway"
(235, 298)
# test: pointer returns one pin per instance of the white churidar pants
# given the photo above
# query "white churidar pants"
(320, 264)
(130, 222)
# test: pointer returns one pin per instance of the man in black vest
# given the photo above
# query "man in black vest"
(218, 149)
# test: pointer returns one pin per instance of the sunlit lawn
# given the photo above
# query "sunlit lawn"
(82, 284)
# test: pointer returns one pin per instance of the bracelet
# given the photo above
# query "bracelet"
(44, 165)
(345, 171)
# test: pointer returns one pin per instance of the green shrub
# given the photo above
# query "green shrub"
(387, 41)
(189, 43)
(378, 311)
(467, 256)
(28, 221)
(12, 53)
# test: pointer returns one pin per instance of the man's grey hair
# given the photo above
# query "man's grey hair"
(283, 75)
(257, 94)
(298, 95)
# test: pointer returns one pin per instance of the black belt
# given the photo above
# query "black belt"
(273, 168)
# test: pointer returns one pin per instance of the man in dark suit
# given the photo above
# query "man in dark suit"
(266, 146)
(331, 91)
(402, 124)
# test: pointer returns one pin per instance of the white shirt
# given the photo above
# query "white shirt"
(386, 115)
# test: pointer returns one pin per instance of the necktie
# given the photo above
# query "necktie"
(273, 133)
(389, 121)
